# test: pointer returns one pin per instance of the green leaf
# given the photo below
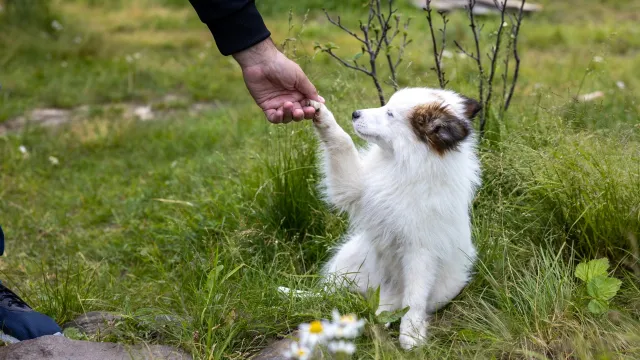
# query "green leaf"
(597, 307)
(591, 269)
(357, 56)
(603, 288)
(373, 297)
(391, 316)
(330, 46)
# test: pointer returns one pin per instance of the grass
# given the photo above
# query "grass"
(201, 217)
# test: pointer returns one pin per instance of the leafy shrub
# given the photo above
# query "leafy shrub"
(600, 288)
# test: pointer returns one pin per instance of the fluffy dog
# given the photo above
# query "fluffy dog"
(407, 195)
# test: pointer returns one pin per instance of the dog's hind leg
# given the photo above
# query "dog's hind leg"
(354, 265)
(452, 279)
(341, 163)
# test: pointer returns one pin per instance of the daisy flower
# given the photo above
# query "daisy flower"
(315, 332)
(347, 326)
(296, 351)
(341, 346)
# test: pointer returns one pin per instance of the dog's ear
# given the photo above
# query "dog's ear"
(471, 107)
(438, 127)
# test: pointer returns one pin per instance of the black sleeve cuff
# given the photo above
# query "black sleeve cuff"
(239, 31)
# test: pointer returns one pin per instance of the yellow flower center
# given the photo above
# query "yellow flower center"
(301, 352)
(316, 327)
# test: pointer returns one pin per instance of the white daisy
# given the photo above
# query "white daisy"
(315, 332)
(346, 326)
(55, 24)
(297, 352)
(341, 346)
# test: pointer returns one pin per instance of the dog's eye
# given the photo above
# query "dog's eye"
(389, 113)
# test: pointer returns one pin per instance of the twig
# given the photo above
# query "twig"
(493, 57)
(354, 67)
(437, 55)
(515, 31)
(505, 76)
(464, 51)
(339, 24)
(378, 33)
(477, 58)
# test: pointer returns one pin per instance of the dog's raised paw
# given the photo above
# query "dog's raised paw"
(316, 105)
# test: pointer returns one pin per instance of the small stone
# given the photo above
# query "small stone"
(143, 113)
(591, 96)
(60, 348)
(95, 322)
(276, 350)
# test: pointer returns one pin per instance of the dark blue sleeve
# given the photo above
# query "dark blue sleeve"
(235, 24)
(1, 241)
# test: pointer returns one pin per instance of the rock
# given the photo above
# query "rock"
(482, 7)
(276, 350)
(590, 96)
(162, 109)
(143, 113)
(95, 323)
(41, 117)
(60, 348)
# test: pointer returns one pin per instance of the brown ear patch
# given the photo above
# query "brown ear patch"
(471, 107)
(438, 127)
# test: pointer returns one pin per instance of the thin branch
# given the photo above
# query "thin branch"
(462, 50)
(405, 42)
(515, 32)
(505, 76)
(444, 38)
(378, 33)
(339, 24)
(478, 59)
(494, 58)
(354, 67)
(437, 55)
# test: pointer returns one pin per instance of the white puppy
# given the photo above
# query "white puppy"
(408, 196)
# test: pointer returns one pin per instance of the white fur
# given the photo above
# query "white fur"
(408, 206)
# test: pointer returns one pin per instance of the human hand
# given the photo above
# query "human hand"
(277, 84)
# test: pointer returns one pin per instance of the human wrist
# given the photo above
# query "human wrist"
(260, 53)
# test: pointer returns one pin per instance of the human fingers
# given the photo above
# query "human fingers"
(287, 112)
(298, 113)
(272, 116)
(309, 112)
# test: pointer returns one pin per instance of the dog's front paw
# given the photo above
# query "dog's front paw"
(316, 105)
(323, 117)
(412, 333)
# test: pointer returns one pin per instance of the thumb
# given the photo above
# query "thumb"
(306, 88)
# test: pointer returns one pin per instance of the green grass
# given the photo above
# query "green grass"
(202, 217)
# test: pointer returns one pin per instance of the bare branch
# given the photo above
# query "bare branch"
(493, 57)
(437, 55)
(378, 33)
(462, 50)
(514, 33)
(345, 63)
(339, 24)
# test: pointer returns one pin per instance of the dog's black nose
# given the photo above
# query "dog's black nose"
(355, 114)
